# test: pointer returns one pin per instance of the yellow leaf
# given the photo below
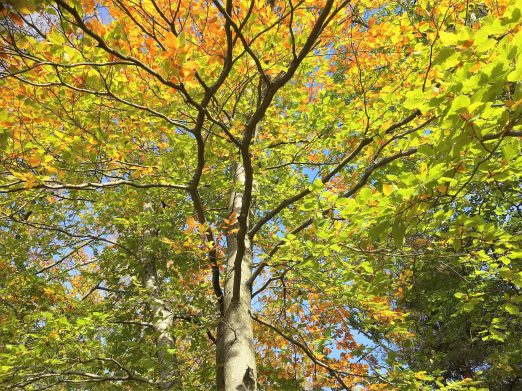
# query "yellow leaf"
(30, 183)
(168, 241)
(368, 153)
(387, 189)
(191, 224)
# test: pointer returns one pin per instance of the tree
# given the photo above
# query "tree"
(244, 185)
(460, 289)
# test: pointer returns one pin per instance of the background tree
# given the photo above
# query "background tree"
(267, 191)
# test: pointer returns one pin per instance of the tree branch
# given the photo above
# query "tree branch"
(334, 373)
(93, 186)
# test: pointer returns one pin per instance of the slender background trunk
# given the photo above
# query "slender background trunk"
(161, 323)
(161, 316)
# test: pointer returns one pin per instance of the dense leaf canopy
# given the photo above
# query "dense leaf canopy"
(364, 156)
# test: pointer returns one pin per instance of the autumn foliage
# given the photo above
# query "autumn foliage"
(331, 188)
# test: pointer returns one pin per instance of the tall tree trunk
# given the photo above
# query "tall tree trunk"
(235, 356)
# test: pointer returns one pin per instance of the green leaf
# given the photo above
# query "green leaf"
(398, 232)
(317, 185)
(367, 267)
(512, 309)
(516, 74)
(460, 103)
(497, 335)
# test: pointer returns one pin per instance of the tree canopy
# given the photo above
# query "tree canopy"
(260, 195)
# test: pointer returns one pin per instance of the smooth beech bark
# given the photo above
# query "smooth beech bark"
(235, 356)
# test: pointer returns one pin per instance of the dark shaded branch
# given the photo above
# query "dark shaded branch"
(328, 176)
(303, 193)
(62, 259)
(270, 90)
(102, 44)
(362, 181)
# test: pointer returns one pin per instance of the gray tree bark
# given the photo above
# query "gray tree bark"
(161, 322)
(235, 356)
(162, 317)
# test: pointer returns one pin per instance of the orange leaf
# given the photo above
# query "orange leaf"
(171, 41)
